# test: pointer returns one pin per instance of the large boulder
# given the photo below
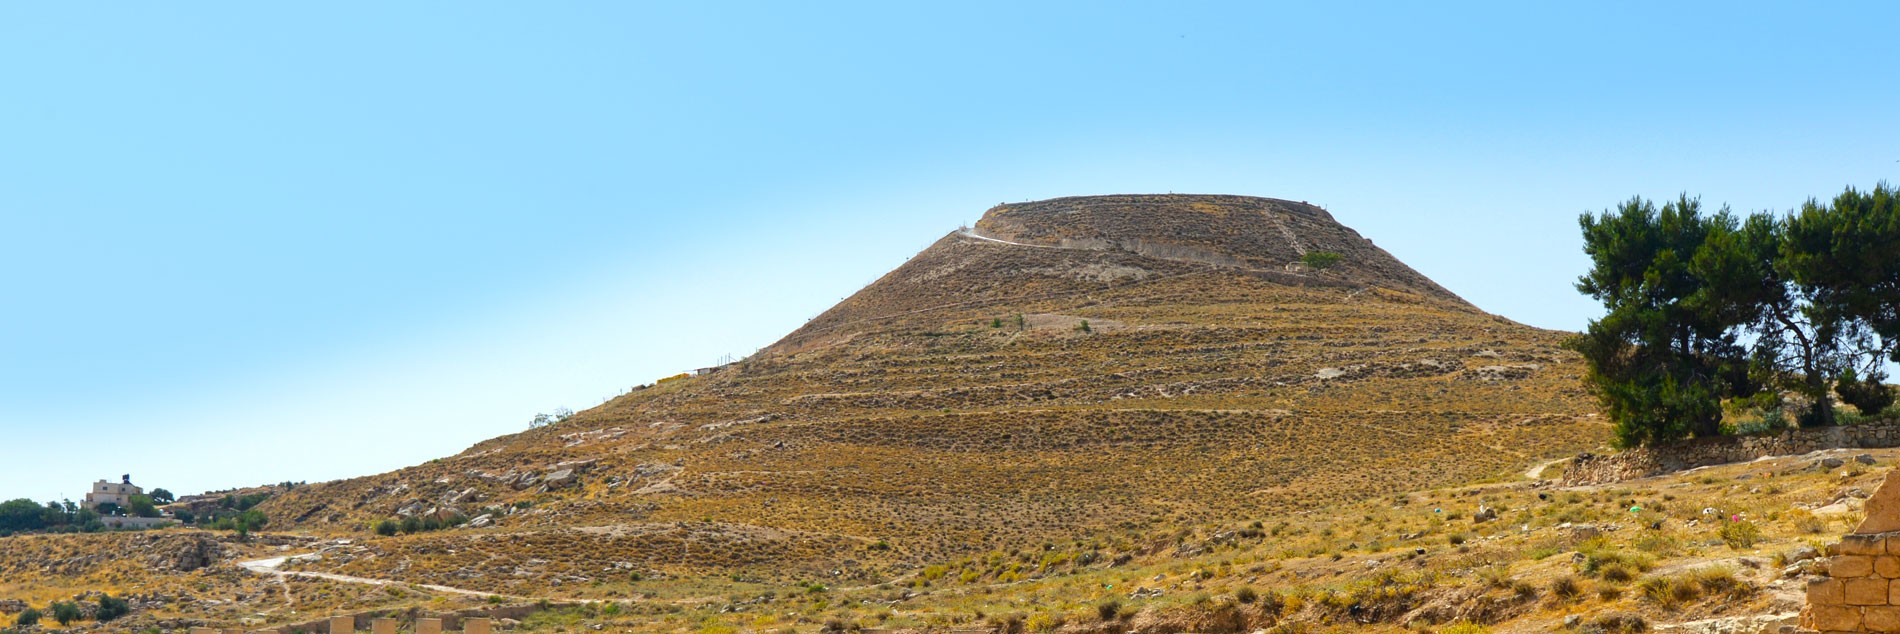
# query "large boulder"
(560, 479)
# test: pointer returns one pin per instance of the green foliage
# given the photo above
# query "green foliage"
(27, 618)
(1657, 359)
(1672, 592)
(243, 523)
(1870, 396)
(142, 506)
(414, 524)
(163, 496)
(1848, 250)
(1740, 534)
(544, 420)
(1084, 326)
(1320, 260)
(1604, 560)
(1703, 308)
(111, 608)
(65, 612)
(21, 515)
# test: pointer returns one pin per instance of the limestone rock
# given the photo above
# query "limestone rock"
(559, 479)
(1484, 514)
(1883, 507)
(1832, 463)
(481, 521)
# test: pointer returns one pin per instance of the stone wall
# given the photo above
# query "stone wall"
(1648, 461)
(1861, 591)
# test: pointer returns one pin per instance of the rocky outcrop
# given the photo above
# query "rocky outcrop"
(182, 553)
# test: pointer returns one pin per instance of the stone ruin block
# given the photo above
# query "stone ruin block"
(1861, 589)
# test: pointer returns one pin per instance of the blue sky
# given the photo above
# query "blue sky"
(245, 243)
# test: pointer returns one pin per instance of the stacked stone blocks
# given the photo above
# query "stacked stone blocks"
(1861, 590)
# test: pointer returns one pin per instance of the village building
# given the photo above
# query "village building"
(119, 494)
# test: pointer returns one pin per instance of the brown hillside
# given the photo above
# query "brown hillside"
(958, 406)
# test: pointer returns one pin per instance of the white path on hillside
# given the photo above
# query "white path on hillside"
(1536, 472)
(274, 566)
(970, 232)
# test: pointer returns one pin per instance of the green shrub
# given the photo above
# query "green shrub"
(65, 612)
(1720, 581)
(1602, 559)
(27, 618)
(111, 608)
(1739, 535)
(1870, 396)
(1668, 592)
(1320, 260)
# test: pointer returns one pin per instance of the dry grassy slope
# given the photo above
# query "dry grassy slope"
(1213, 385)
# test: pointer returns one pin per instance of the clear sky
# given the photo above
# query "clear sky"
(253, 242)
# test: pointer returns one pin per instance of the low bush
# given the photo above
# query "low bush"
(1566, 588)
(1739, 534)
(111, 608)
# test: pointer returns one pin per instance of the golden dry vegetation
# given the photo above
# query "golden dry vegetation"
(1137, 367)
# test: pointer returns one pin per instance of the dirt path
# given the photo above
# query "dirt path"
(274, 566)
(1537, 470)
(970, 232)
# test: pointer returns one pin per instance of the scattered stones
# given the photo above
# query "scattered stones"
(1484, 514)
(1832, 463)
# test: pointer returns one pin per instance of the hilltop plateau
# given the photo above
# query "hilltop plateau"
(1065, 368)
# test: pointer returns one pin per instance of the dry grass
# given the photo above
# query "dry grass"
(919, 456)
